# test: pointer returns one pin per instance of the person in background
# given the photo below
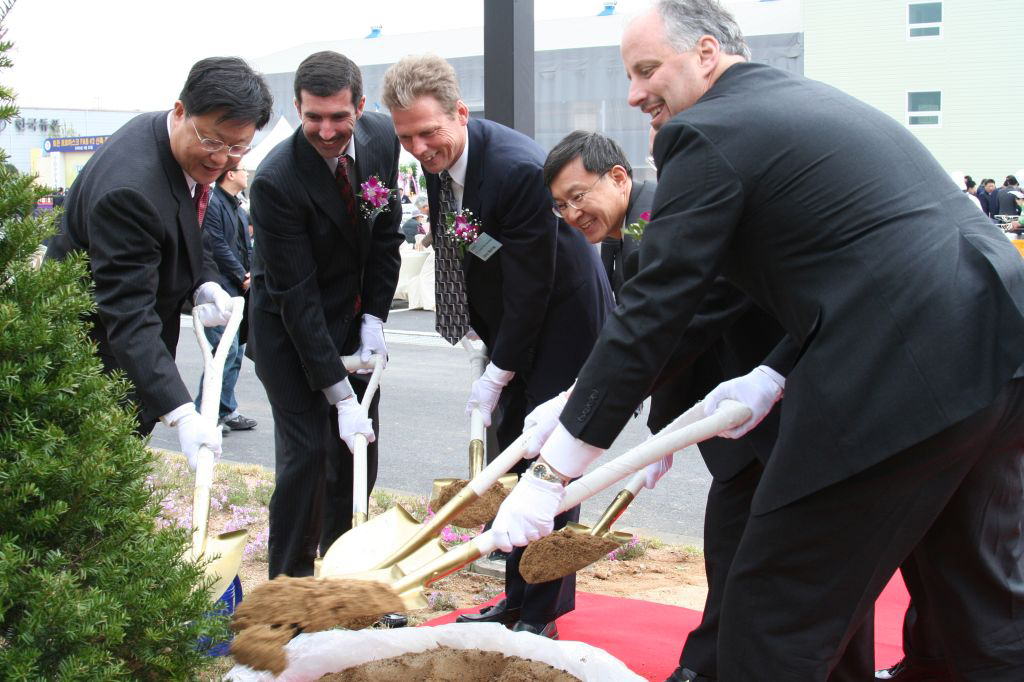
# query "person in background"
(415, 224)
(225, 234)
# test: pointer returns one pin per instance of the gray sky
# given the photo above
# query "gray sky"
(135, 54)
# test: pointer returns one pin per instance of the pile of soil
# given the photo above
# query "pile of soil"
(445, 664)
(561, 553)
(476, 514)
(279, 609)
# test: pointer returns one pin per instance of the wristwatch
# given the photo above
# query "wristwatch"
(545, 473)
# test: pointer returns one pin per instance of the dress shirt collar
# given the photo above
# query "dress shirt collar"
(349, 151)
(458, 169)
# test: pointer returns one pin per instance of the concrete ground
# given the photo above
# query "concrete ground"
(424, 430)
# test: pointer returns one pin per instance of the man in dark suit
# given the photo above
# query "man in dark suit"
(529, 285)
(324, 275)
(226, 235)
(590, 180)
(136, 210)
(906, 310)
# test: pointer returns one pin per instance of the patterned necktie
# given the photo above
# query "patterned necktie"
(202, 201)
(452, 310)
(345, 186)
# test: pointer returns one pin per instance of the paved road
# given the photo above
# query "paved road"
(424, 430)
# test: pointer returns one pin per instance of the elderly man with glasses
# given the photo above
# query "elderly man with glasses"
(137, 209)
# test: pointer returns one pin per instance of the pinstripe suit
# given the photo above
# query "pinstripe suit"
(314, 275)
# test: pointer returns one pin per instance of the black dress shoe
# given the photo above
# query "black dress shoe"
(914, 670)
(682, 674)
(548, 630)
(499, 613)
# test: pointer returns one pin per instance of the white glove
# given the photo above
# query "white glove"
(351, 421)
(371, 340)
(528, 513)
(218, 312)
(539, 424)
(194, 432)
(759, 390)
(486, 391)
(655, 470)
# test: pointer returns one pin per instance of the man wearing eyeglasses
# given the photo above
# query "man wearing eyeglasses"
(136, 210)
(324, 274)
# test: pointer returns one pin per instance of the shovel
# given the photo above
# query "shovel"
(370, 540)
(676, 436)
(445, 488)
(281, 608)
(575, 546)
(225, 549)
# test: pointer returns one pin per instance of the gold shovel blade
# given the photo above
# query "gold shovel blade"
(226, 551)
(366, 545)
(618, 536)
(440, 484)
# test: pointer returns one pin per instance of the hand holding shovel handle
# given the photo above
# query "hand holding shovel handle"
(213, 375)
(675, 436)
(360, 494)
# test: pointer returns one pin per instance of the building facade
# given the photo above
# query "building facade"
(940, 67)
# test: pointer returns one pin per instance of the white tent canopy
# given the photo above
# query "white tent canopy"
(281, 131)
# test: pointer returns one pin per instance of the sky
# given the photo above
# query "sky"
(135, 54)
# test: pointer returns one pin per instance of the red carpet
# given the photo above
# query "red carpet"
(653, 652)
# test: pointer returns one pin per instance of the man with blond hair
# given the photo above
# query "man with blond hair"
(529, 285)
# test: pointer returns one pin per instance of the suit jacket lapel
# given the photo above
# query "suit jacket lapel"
(472, 197)
(319, 183)
(364, 163)
(188, 221)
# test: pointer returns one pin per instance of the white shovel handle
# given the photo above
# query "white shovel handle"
(360, 494)
(213, 376)
(729, 415)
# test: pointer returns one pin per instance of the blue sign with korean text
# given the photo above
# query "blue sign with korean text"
(74, 144)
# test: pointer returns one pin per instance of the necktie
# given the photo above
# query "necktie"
(452, 310)
(345, 186)
(202, 201)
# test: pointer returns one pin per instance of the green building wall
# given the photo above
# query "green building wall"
(861, 47)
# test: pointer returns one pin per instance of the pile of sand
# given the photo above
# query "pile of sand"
(445, 664)
(281, 608)
(476, 514)
(562, 553)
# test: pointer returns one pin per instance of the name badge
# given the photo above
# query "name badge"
(485, 246)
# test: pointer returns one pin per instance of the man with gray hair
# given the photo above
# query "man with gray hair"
(529, 285)
(902, 431)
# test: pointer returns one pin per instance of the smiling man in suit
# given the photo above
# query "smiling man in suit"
(529, 285)
(323, 278)
(136, 209)
(902, 429)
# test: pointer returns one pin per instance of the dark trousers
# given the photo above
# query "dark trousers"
(312, 502)
(725, 518)
(805, 575)
(544, 602)
(922, 643)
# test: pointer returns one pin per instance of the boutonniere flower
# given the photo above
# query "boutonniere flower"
(462, 229)
(374, 195)
(636, 230)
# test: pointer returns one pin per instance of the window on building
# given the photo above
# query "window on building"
(924, 19)
(924, 108)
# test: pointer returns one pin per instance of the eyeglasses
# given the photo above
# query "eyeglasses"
(577, 201)
(211, 145)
